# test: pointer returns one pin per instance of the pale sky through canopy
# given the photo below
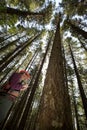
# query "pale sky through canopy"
(57, 2)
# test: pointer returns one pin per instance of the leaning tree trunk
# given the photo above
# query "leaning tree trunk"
(75, 107)
(18, 120)
(84, 99)
(52, 109)
(77, 29)
(82, 44)
(68, 110)
(32, 60)
(13, 11)
(9, 71)
(4, 39)
(5, 46)
(35, 85)
(13, 54)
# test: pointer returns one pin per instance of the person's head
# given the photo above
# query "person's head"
(25, 74)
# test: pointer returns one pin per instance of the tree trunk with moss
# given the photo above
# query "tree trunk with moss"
(52, 108)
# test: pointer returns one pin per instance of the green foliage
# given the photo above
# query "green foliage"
(32, 25)
(48, 13)
(78, 56)
(26, 4)
(73, 7)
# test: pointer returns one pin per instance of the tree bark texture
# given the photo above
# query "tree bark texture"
(67, 105)
(52, 109)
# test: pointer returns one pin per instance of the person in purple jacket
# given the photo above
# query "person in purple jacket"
(18, 82)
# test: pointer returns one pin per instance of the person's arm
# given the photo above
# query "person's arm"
(24, 87)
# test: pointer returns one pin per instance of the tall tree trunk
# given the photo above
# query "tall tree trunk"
(2, 36)
(52, 110)
(9, 71)
(12, 55)
(22, 117)
(18, 12)
(5, 46)
(32, 60)
(4, 39)
(84, 99)
(83, 44)
(12, 122)
(77, 29)
(75, 107)
(67, 97)
(22, 123)
(76, 112)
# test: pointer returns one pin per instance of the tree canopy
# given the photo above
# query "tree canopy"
(28, 32)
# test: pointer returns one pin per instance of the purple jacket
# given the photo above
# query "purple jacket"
(14, 81)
